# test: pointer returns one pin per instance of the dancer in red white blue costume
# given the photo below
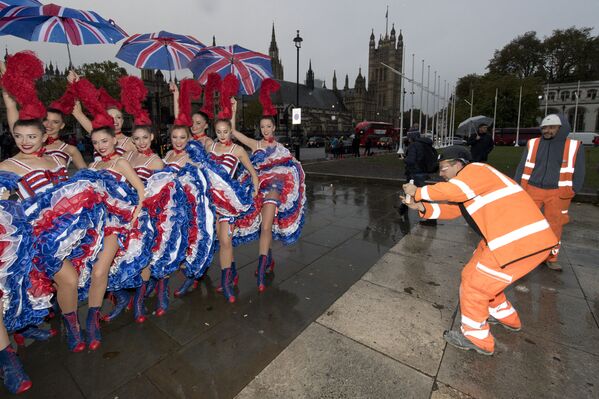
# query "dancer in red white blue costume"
(280, 204)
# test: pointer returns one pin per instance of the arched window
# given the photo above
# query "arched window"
(565, 95)
(551, 96)
(591, 94)
(579, 118)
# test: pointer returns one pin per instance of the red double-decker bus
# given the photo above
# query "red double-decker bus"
(507, 136)
(370, 130)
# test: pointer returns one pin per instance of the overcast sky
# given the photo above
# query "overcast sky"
(455, 37)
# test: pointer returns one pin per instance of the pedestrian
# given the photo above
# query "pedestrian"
(552, 171)
(368, 147)
(335, 147)
(481, 144)
(515, 238)
(355, 143)
(420, 154)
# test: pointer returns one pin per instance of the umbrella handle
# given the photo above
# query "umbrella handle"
(69, 52)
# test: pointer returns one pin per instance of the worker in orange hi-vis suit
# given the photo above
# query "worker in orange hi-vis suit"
(516, 238)
(552, 171)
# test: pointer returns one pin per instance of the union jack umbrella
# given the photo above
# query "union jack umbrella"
(53, 23)
(250, 67)
(162, 50)
(8, 3)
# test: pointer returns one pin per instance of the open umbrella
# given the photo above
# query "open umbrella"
(53, 23)
(470, 125)
(250, 67)
(162, 50)
(8, 3)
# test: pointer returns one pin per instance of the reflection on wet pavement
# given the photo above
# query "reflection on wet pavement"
(204, 347)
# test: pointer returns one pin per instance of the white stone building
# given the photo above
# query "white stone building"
(561, 98)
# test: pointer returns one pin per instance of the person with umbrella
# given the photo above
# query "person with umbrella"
(481, 143)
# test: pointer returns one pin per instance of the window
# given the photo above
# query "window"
(565, 95)
(592, 94)
(551, 96)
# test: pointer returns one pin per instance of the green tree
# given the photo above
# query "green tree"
(104, 74)
(522, 57)
(568, 55)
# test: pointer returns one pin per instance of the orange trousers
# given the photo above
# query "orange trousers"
(481, 293)
(555, 210)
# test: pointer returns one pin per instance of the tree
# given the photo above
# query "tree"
(104, 74)
(568, 53)
(522, 57)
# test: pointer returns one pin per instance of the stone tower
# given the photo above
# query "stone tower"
(273, 52)
(383, 84)
(310, 77)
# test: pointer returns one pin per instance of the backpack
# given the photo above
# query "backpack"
(430, 158)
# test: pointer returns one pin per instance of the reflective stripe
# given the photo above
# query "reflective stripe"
(501, 176)
(529, 165)
(424, 193)
(566, 211)
(436, 211)
(525, 177)
(566, 170)
(494, 273)
(518, 234)
(472, 323)
(566, 183)
(572, 153)
(481, 201)
(464, 187)
(479, 334)
(502, 311)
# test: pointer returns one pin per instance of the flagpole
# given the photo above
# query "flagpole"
(412, 95)
(576, 106)
(518, 126)
(546, 97)
(400, 151)
(421, 99)
(495, 112)
(428, 83)
(434, 106)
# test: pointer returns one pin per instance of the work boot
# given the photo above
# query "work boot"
(493, 320)
(554, 266)
(457, 339)
(428, 222)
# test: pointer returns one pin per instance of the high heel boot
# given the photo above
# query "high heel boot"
(73, 331)
(15, 379)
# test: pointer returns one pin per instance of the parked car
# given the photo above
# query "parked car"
(316, 141)
(596, 141)
(385, 142)
(585, 137)
(459, 141)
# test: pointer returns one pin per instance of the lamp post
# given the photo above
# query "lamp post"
(298, 44)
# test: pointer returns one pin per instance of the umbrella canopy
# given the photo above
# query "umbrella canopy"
(250, 67)
(470, 125)
(162, 50)
(52, 23)
(8, 3)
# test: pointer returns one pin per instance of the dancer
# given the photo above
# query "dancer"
(280, 204)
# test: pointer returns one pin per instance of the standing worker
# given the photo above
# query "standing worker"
(515, 238)
(552, 171)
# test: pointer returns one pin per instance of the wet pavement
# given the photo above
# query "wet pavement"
(383, 337)
(206, 348)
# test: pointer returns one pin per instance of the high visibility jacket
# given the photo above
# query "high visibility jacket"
(506, 217)
(566, 171)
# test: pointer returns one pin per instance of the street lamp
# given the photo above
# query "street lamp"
(298, 44)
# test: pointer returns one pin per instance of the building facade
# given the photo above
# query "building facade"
(561, 98)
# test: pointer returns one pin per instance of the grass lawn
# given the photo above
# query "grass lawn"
(506, 159)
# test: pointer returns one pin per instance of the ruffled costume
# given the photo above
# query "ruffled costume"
(277, 170)
(24, 292)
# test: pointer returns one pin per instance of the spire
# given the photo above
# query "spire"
(372, 38)
(387, 23)
(310, 77)
(213, 40)
(346, 87)
(324, 84)
(335, 80)
(393, 32)
(273, 42)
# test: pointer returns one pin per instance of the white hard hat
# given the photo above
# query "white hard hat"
(551, 120)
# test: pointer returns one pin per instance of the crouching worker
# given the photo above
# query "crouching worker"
(515, 238)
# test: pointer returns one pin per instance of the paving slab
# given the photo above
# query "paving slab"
(324, 364)
(524, 366)
(434, 250)
(403, 327)
(435, 282)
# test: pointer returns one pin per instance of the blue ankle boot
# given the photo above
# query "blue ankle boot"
(122, 300)
(270, 263)
(93, 328)
(15, 379)
(151, 286)
(235, 278)
(73, 331)
(139, 311)
(185, 287)
(34, 333)
(226, 284)
(162, 296)
(261, 272)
